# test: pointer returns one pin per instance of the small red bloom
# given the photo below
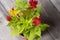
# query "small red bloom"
(33, 3)
(36, 21)
(8, 18)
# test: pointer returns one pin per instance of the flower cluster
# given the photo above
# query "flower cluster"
(25, 19)
(33, 4)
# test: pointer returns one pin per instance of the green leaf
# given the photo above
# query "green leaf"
(26, 34)
(21, 4)
(34, 32)
(38, 9)
(43, 27)
(37, 14)
(38, 31)
(32, 35)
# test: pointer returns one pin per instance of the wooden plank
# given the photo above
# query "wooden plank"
(46, 36)
(7, 4)
(49, 15)
(53, 18)
(56, 3)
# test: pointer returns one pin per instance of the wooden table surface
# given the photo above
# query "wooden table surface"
(49, 15)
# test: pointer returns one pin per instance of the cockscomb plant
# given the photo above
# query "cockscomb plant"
(25, 19)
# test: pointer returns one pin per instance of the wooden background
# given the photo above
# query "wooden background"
(50, 14)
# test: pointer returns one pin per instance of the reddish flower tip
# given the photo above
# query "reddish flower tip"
(36, 21)
(33, 3)
(8, 18)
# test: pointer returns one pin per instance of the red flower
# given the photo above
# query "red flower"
(36, 21)
(8, 18)
(33, 3)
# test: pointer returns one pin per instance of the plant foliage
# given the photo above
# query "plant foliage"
(23, 22)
